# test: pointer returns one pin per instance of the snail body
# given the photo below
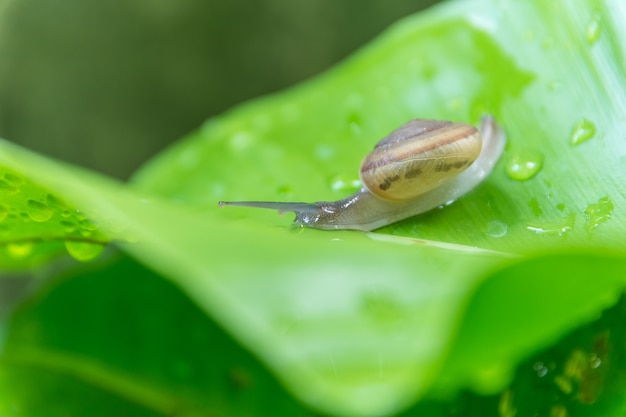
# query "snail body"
(419, 166)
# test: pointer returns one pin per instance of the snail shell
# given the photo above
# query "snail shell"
(419, 156)
(421, 165)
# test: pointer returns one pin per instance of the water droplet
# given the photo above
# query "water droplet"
(534, 206)
(524, 164)
(497, 228)
(595, 361)
(561, 206)
(39, 212)
(79, 216)
(345, 184)
(4, 212)
(20, 250)
(83, 251)
(555, 229)
(14, 179)
(597, 213)
(68, 227)
(53, 201)
(7, 187)
(540, 369)
(594, 28)
(582, 132)
(87, 225)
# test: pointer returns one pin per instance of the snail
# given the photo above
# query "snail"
(421, 165)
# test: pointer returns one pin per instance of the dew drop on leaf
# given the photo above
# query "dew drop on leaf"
(79, 216)
(7, 187)
(541, 369)
(20, 250)
(582, 132)
(87, 225)
(497, 228)
(39, 212)
(13, 179)
(597, 213)
(554, 229)
(83, 251)
(53, 201)
(524, 164)
(68, 227)
(594, 28)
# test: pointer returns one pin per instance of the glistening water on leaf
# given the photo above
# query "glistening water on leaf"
(35, 225)
(361, 327)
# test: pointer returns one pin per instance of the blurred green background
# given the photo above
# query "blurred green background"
(107, 84)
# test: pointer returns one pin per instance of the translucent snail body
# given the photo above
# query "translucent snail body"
(419, 166)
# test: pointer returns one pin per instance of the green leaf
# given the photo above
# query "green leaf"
(366, 324)
(125, 353)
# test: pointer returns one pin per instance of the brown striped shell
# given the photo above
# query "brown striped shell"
(418, 157)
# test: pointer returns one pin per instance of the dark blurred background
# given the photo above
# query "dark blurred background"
(106, 84)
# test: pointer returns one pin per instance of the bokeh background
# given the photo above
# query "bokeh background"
(107, 84)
